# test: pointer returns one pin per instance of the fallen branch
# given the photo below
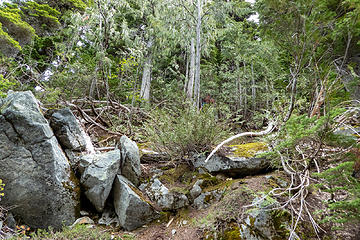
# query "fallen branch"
(269, 129)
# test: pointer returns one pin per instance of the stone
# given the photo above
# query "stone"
(132, 210)
(108, 217)
(34, 168)
(232, 166)
(349, 132)
(130, 164)
(70, 134)
(82, 220)
(262, 222)
(165, 199)
(98, 177)
(205, 199)
(196, 189)
(67, 129)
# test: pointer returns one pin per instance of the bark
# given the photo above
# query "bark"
(186, 73)
(190, 86)
(292, 99)
(198, 52)
(146, 77)
(253, 88)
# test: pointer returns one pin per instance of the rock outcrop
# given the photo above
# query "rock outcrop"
(132, 210)
(98, 176)
(34, 168)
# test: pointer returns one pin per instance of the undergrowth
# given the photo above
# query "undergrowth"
(184, 132)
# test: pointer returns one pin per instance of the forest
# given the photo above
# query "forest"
(185, 77)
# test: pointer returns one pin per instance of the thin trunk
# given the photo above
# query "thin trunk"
(292, 99)
(146, 77)
(198, 51)
(267, 95)
(190, 86)
(253, 88)
(186, 72)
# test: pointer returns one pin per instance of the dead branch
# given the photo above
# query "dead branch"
(269, 129)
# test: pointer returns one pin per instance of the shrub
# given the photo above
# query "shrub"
(346, 209)
(185, 132)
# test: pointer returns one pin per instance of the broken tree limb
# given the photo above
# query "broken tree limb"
(268, 130)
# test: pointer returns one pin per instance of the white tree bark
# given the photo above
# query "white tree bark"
(190, 85)
(146, 77)
(198, 52)
(253, 88)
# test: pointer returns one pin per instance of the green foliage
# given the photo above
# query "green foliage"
(79, 232)
(340, 181)
(5, 85)
(2, 185)
(14, 30)
(300, 129)
(184, 132)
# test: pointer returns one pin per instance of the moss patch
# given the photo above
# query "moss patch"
(180, 173)
(249, 149)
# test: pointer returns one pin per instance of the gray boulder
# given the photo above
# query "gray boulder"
(130, 165)
(163, 197)
(98, 176)
(132, 210)
(196, 189)
(67, 129)
(33, 166)
(264, 223)
(205, 199)
(232, 166)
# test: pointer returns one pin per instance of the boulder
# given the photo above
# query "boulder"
(70, 134)
(35, 170)
(130, 165)
(165, 199)
(67, 129)
(262, 222)
(196, 189)
(205, 199)
(233, 166)
(132, 210)
(98, 176)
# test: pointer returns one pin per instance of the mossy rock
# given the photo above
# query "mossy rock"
(249, 150)
(181, 173)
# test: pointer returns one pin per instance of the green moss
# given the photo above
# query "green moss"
(281, 220)
(249, 149)
(232, 232)
(179, 173)
(73, 186)
(140, 194)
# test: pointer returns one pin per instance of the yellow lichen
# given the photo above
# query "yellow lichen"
(249, 149)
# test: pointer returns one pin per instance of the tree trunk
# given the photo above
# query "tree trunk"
(186, 72)
(190, 86)
(198, 52)
(292, 99)
(146, 77)
(253, 88)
